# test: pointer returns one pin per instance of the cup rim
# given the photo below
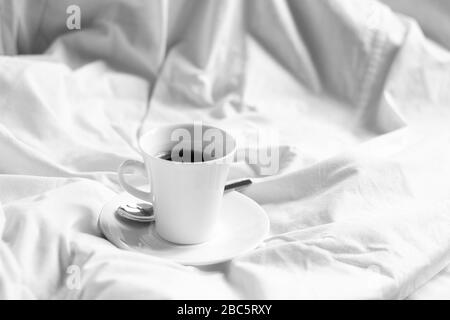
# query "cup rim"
(183, 125)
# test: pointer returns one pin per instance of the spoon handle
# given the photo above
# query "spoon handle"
(237, 185)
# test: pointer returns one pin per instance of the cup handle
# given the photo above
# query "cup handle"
(134, 165)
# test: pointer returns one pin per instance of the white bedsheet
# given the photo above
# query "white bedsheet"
(359, 96)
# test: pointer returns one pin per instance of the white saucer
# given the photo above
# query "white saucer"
(242, 225)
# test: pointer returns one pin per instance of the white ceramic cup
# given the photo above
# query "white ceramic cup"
(186, 196)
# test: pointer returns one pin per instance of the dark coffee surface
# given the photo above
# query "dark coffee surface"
(183, 156)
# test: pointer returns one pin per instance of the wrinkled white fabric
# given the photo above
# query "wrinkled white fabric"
(358, 94)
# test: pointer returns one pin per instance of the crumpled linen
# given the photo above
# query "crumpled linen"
(357, 93)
